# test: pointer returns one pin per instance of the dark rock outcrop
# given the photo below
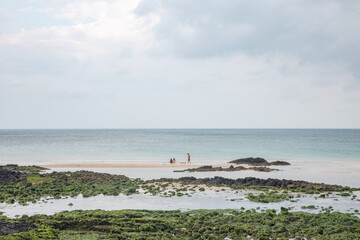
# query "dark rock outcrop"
(8, 227)
(210, 168)
(279, 163)
(258, 162)
(252, 181)
(7, 176)
(251, 161)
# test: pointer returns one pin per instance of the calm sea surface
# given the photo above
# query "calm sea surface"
(214, 145)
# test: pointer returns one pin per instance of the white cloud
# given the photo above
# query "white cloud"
(114, 27)
(320, 31)
(183, 64)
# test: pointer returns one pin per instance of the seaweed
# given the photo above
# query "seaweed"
(308, 207)
(33, 186)
(196, 224)
(268, 197)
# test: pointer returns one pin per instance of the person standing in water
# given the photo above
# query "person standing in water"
(188, 155)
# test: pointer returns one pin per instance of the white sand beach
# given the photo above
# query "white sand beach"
(122, 165)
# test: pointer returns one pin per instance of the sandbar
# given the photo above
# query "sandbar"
(120, 165)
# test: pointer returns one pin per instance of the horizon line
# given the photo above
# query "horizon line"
(252, 128)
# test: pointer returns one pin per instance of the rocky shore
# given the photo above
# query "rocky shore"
(252, 181)
(26, 184)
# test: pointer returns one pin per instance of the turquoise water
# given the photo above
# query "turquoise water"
(220, 145)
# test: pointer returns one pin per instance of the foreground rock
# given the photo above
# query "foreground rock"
(258, 162)
(210, 168)
(8, 227)
(7, 176)
(14, 173)
(23, 184)
(23, 169)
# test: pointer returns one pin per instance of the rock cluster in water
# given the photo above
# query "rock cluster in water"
(258, 162)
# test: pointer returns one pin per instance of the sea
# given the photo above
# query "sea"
(48, 146)
(329, 156)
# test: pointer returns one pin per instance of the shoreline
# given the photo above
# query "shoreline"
(334, 173)
(63, 190)
(101, 199)
(123, 165)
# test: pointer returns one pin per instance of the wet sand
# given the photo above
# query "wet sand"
(123, 165)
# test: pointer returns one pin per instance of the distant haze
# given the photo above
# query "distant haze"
(179, 64)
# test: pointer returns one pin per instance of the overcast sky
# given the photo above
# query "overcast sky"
(179, 64)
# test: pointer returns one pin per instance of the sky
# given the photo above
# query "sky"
(179, 64)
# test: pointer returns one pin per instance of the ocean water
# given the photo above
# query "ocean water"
(159, 145)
